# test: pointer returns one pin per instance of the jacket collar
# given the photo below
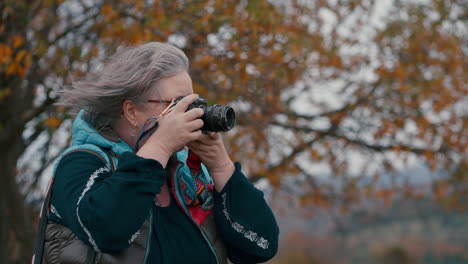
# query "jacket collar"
(84, 133)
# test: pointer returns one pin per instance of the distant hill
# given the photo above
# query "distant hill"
(409, 231)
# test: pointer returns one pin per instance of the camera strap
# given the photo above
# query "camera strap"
(151, 124)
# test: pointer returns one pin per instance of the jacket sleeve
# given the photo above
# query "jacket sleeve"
(245, 221)
(105, 209)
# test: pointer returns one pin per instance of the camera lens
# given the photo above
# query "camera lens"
(230, 118)
(218, 118)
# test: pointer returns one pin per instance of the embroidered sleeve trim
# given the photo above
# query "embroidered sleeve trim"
(55, 212)
(86, 189)
(248, 234)
(134, 236)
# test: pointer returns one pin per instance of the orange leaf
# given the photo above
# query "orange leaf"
(429, 155)
(53, 122)
(20, 55)
(11, 69)
(17, 41)
(5, 54)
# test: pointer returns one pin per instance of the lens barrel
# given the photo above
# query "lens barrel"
(218, 118)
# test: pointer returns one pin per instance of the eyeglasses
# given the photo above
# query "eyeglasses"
(159, 101)
(168, 109)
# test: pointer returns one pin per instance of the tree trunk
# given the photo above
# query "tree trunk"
(16, 228)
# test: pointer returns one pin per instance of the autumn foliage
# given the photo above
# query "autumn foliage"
(351, 91)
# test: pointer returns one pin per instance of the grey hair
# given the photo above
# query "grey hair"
(128, 74)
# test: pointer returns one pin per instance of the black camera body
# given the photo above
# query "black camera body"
(216, 118)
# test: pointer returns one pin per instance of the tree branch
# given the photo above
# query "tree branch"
(29, 115)
(73, 28)
(45, 163)
(347, 107)
(361, 143)
(288, 158)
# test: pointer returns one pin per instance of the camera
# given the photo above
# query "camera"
(216, 118)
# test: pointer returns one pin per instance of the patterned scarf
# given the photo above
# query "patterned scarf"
(194, 183)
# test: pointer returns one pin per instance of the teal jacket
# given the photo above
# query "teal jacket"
(106, 209)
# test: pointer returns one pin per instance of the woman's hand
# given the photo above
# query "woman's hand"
(210, 149)
(174, 131)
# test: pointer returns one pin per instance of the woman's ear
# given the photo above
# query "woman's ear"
(129, 111)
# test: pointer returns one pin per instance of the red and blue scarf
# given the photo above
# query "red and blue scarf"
(194, 181)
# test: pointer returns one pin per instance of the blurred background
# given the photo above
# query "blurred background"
(352, 114)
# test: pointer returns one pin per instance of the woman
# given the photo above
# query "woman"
(127, 191)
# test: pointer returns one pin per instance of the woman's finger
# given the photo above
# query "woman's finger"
(195, 124)
(183, 104)
(195, 135)
(200, 145)
(213, 135)
(193, 114)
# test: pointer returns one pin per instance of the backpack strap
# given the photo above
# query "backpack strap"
(44, 214)
(41, 229)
